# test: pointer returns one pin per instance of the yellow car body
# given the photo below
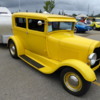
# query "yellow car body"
(48, 50)
(96, 23)
(54, 49)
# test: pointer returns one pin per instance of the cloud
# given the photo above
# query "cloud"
(72, 6)
(2, 3)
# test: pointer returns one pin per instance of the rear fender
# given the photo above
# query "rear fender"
(18, 44)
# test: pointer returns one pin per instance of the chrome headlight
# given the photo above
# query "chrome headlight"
(92, 57)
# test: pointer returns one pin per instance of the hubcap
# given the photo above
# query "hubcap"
(12, 49)
(72, 81)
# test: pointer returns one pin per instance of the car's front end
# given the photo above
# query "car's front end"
(81, 27)
(94, 57)
(75, 54)
(76, 47)
(96, 23)
(70, 46)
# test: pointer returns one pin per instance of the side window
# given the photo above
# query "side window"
(20, 22)
(33, 25)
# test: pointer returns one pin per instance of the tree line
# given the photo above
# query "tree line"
(49, 5)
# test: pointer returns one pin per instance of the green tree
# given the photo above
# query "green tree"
(26, 10)
(59, 13)
(63, 13)
(40, 11)
(36, 11)
(98, 15)
(74, 15)
(49, 5)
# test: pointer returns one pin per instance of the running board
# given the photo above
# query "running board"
(31, 61)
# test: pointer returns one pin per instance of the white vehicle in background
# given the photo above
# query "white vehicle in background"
(5, 25)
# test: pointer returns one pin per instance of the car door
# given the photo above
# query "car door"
(36, 36)
(20, 29)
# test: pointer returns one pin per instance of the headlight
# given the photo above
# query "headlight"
(92, 58)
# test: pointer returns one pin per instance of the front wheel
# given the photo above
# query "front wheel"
(12, 49)
(73, 82)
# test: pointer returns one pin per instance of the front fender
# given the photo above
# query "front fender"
(82, 68)
(18, 44)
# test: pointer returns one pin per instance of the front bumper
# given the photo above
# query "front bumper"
(96, 82)
(96, 67)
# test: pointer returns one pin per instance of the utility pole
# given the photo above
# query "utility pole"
(93, 13)
(88, 9)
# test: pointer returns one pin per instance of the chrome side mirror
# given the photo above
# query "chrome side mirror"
(39, 23)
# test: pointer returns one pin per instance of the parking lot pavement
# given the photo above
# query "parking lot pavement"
(19, 81)
(91, 34)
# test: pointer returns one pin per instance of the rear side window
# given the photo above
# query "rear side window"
(20, 22)
(33, 25)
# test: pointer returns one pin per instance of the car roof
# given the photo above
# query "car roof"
(49, 17)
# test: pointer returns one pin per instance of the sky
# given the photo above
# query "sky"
(68, 6)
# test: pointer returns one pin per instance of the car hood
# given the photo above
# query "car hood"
(70, 46)
(70, 38)
(83, 26)
(80, 25)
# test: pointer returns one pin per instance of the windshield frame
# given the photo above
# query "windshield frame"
(72, 27)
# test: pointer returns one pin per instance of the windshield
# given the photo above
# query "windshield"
(97, 20)
(80, 23)
(53, 26)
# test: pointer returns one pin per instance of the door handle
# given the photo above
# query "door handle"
(26, 32)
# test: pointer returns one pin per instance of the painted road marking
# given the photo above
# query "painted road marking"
(96, 83)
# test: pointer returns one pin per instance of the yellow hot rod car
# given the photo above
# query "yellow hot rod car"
(47, 43)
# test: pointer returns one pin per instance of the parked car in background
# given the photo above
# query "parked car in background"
(81, 27)
(96, 23)
(47, 42)
(5, 25)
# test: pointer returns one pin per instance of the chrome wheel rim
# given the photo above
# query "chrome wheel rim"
(12, 49)
(72, 81)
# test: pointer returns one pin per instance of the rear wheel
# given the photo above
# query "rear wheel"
(73, 82)
(12, 49)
